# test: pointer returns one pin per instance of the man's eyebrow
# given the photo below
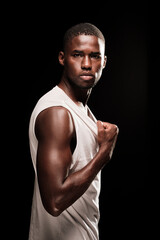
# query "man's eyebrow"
(97, 53)
(78, 51)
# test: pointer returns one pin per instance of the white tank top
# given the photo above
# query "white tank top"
(80, 220)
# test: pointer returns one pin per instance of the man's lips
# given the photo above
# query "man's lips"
(87, 76)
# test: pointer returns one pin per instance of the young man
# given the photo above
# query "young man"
(69, 147)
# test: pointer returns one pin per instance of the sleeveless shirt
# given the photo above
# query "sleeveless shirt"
(80, 220)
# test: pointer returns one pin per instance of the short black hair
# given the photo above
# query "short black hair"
(82, 29)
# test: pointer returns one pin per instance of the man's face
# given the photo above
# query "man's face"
(83, 61)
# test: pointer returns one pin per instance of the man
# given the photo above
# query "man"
(69, 147)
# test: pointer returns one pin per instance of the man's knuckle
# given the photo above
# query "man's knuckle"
(115, 128)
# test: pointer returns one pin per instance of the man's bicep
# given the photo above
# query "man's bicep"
(54, 132)
(52, 165)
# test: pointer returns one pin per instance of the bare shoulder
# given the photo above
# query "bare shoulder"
(57, 120)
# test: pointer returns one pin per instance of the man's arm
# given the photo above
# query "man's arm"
(55, 131)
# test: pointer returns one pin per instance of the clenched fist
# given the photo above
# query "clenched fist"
(107, 136)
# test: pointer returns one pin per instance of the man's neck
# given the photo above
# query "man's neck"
(75, 93)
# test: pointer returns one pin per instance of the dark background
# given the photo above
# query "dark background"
(123, 96)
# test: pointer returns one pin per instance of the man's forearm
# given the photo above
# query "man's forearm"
(77, 183)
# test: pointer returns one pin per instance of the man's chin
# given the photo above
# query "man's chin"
(87, 84)
(87, 87)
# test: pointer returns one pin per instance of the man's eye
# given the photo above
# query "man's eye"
(76, 55)
(96, 56)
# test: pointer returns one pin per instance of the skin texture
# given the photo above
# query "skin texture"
(83, 63)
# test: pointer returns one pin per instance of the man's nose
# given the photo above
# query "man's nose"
(86, 63)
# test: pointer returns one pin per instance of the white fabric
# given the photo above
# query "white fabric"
(79, 221)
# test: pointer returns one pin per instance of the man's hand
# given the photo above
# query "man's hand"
(107, 136)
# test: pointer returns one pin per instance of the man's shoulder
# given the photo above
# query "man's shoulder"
(55, 119)
(59, 112)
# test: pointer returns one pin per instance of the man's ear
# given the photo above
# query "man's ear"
(105, 61)
(61, 58)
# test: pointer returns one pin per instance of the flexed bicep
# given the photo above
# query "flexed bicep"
(54, 131)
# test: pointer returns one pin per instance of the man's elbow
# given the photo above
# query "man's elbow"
(53, 209)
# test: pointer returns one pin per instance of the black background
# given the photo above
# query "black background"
(123, 96)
